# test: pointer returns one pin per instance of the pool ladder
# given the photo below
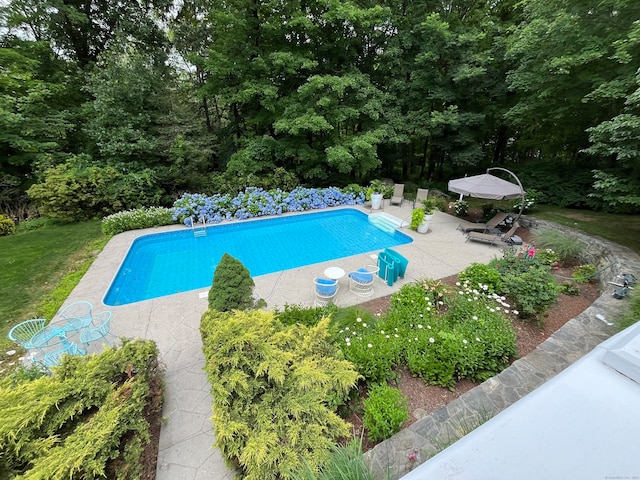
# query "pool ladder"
(199, 231)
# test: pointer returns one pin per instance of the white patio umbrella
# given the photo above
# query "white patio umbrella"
(490, 187)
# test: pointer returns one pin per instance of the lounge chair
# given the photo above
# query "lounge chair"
(398, 194)
(325, 290)
(500, 239)
(361, 281)
(497, 219)
(423, 194)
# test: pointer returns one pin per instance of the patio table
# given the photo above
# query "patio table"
(53, 335)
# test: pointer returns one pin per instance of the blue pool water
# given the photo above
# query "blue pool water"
(167, 263)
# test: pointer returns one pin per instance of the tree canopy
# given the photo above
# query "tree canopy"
(211, 96)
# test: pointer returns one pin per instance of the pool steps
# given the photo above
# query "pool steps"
(386, 222)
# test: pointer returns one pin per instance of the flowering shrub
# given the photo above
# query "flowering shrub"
(548, 256)
(373, 351)
(471, 339)
(481, 274)
(461, 207)
(441, 334)
(138, 218)
(529, 201)
(257, 202)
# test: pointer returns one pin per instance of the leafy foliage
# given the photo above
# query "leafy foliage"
(84, 421)
(479, 274)
(135, 219)
(584, 273)
(269, 384)
(385, 410)
(232, 286)
(7, 226)
(80, 189)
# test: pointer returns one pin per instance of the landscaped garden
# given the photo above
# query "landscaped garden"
(279, 378)
(347, 363)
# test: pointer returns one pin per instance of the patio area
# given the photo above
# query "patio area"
(173, 321)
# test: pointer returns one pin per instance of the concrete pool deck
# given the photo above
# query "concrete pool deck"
(187, 436)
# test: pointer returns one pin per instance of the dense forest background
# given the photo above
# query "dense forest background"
(109, 105)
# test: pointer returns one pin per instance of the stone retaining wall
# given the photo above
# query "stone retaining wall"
(414, 445)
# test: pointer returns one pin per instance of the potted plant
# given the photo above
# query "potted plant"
(375, 193)
(417, 217)
(429, 207)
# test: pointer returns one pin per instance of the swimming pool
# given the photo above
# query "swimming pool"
(166, 263)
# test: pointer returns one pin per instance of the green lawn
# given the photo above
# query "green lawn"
(622, 229)
(33, 263)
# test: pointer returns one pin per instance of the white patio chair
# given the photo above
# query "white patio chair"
(361, 281)
(325, 291)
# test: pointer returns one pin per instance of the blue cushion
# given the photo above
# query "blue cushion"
(326, 287)
(362, 276)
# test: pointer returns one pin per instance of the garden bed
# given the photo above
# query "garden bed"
(423, 398)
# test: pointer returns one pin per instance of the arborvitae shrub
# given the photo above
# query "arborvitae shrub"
(232, 287)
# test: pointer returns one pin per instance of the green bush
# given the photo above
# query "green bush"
(373, 351)
(547, 256)
(7, 226)
(85, 421)
(478, 275)
(565, 247)
(385, 410)
(584, 273)
(81, 189)
(145, 217)
(270, 385)
(532, 291)
(569, 289)
(308, 316)
(461, 207)
(232, 287)
(472, 338)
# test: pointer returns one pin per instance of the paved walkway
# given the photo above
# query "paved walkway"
(186, 442)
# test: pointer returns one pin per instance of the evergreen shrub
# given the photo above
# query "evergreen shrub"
(86, 420)
(270, 385)
(232, 287)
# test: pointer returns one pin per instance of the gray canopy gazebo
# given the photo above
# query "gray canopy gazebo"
(489, 186)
